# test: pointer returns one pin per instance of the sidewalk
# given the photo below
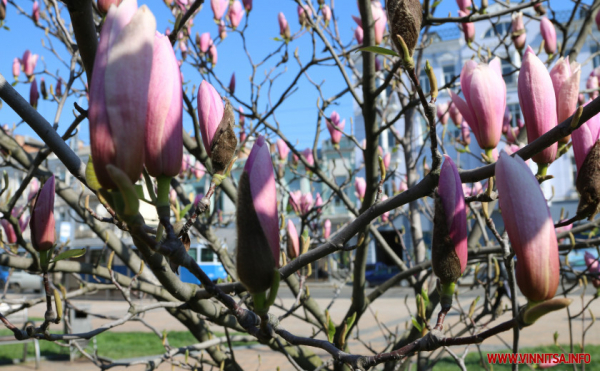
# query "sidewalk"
(390, 312)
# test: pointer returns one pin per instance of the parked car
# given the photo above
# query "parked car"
(379, 273)
(20, 280)
(208, 261)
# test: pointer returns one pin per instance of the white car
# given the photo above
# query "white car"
(20, 280)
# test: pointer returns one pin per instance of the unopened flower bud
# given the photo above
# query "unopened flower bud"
(405, 17)
(42, 218)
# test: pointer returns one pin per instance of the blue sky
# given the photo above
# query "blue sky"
(297, 115)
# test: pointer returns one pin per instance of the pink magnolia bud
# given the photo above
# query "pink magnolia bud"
(29, 61)
(35, 12)
(34, 187)
(294, 201)
(304, 13)
(592, 84)
(222, 31)
(539, 8)
(293, 242)
(257, 220)
(464, 4)
(468, 28)
(185, 163)
(512, 134)
(34, 94)
(42, 218)
(326, 229)
(385, 217)
(43, 88)
(210, 113)
(119, 91)
(387, 159)
(536, 97)
(566, 89)
(449, 245)
(205, 42)
(549, 35)
(455, 115)
(506, 123)
(9, 231)
(318, 202)
(584, 138)
(16, 68)
(519, 37)
(465, 134)
(442, 113)
(232, 84)
(380, 19)
(213, 54)
(593, 267)
(236, 13)
(530, 228)
(485, 101)
(282, 149)
(335, 127)
(284, 27)
(173, 196)
(242, 119)
(359, 35)
(360, 187)
(248, 5)
(199, 170)
(17, 212)
(104, 5)
(218, 7)
(308, 155)
(326, 11)
(164, 142)
(306, 203)
(184, 49)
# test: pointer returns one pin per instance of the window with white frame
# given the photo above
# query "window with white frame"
(448, 73)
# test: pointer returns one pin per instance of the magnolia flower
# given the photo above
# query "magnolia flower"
(449, 245)
(359, 34)
(42, 218)
(294, 200)
(34, 187)
(326, 229)
(593, 267)
(306, 203)
(304, 13)
(218, 7)
(326, 12)
(485, 101)
(29, 61)
(284, 27)
(318, 202)
(213, 55)
(442, 113)
(566, 89)
(16, 68)
(387, 159)
(282, 149)
(308, 155)
(164, 142)
(380, 19)
(119, 91)
(335, 127)
(236, 13)
(455, 115)
(9, 231)
(519, 37)
(104, 5)
(464, 4)
(198, 170)
(248, 5)
(468, 28)
(592, 84)
(584, 138)
(35, 12)
(257, 220)
(548, 33)
(204, 42)
(360, 186)
(293, 242)
(530, 228)
(537, 101)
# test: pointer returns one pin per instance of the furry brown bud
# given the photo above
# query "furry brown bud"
(588, 184)
(405, 17)
(224, 142)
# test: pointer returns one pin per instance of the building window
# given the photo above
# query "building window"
(500, 29)
(515, 111)
(507, 69)
(448, 74)
(424, 82)
(596, 61)
(391, 140)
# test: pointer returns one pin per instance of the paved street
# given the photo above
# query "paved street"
(390, 310)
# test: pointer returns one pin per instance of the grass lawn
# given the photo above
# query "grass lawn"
(114, 345)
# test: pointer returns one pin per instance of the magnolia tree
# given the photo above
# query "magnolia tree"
(129, 75)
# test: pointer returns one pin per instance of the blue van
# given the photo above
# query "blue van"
(208, 261)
